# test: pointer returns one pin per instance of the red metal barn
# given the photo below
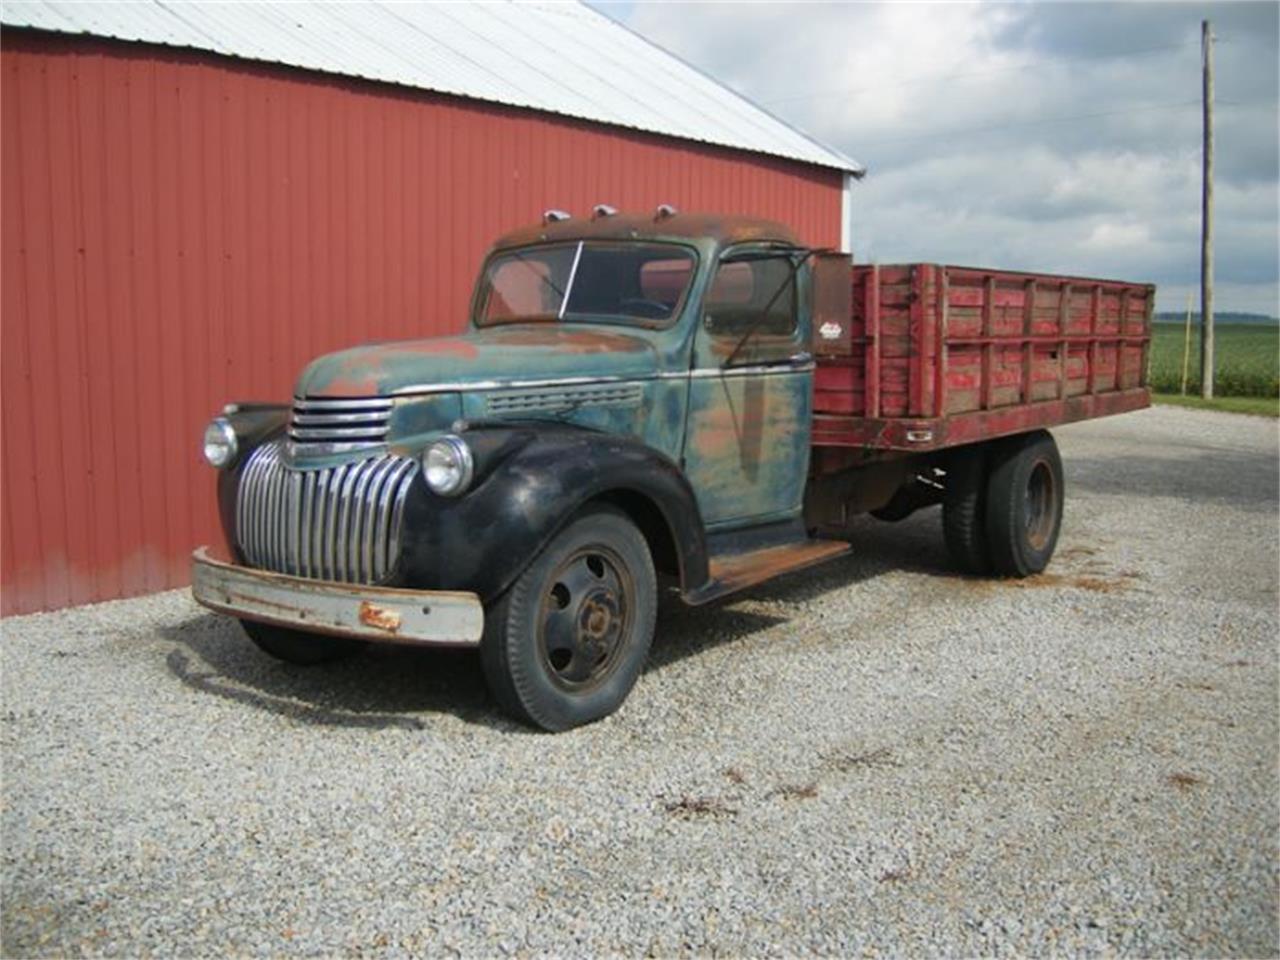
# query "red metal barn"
(198, 199)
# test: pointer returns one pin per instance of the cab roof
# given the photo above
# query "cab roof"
(678, 226)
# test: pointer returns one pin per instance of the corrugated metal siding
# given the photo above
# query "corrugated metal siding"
(180, 230)
(563, 57)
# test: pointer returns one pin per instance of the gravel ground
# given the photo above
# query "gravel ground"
(876, 756)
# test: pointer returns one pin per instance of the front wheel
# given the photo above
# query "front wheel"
(1024, 503)
(566, 643)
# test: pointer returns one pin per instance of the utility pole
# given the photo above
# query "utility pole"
(1206, 220)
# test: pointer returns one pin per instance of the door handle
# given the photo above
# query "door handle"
(800, 359)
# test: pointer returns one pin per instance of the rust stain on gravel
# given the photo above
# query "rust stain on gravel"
(1094, 584)
(689, 808)
(795, 791)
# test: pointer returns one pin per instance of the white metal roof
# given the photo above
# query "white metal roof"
(564, 58)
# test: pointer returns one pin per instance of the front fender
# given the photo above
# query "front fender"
(529, 481)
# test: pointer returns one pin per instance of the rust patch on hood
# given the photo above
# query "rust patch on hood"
(571, 341)
(458, 347)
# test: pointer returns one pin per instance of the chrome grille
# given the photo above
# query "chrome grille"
(339, 425)
(341, 523)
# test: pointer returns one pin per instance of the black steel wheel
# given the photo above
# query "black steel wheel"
(1024, 503)
(964, 510)
(295, 646)
(566, 643)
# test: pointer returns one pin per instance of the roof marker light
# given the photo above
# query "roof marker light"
(554, 216)
(603, 210)
(664, 211)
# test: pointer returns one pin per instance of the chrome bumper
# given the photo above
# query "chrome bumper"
(383, 614)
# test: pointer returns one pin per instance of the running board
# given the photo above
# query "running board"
(735, 572)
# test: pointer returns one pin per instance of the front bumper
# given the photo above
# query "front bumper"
(385, 614)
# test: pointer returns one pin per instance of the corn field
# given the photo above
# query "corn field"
(1248, 359)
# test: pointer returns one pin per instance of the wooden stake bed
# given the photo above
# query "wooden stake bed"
(923, 356)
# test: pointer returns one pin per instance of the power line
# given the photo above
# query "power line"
(941, 78)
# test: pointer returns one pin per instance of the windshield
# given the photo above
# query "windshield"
(639, 283)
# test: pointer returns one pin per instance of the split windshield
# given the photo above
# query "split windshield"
(632, 283)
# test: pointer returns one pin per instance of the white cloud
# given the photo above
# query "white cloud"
(964, 113)
(1114, 238)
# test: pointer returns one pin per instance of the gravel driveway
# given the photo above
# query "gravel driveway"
(875, 756)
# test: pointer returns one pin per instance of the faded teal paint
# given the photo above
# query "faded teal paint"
(743, 438)
(655, 415)
(747, 434)
(514, 352)
(747, 451)
(416, 421)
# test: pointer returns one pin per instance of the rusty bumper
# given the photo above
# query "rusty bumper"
(386, 614)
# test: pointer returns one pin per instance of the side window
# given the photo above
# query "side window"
(755, 297)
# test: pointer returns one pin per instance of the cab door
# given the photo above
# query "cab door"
(747, 432)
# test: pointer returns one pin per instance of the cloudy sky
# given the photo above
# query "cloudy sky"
(1047, 136)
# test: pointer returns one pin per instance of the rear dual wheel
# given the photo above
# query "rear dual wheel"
(1024, 504)
(964, 511)
(1003, 507)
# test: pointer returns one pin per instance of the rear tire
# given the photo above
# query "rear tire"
(566, 643)
(1024, 503)
(297, 647)
(964, 513)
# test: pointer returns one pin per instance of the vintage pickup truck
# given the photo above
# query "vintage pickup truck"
(699, 398)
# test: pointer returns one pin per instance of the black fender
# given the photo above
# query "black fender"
(529, 480)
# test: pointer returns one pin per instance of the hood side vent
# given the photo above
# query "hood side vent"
(531, 400)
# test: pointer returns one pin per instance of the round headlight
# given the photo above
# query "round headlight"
(220, 442)
(447, 466)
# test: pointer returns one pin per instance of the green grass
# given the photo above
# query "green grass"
(1259, 406)
(1248, 360)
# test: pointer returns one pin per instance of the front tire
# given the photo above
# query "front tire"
(1024, 503)
(295, 646)
(566, 643)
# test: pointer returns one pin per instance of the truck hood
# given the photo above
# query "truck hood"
(493, 355)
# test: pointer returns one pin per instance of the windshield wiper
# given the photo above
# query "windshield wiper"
(568, 287)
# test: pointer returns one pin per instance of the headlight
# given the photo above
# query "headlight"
(447, 466)
(220, 444)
